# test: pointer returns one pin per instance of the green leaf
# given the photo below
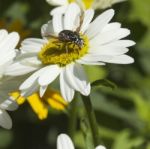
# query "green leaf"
(148, 146)
(95, 72)
(107, 133)
(145, 44)
(142, 107)
(113, 109)
(104, 82)
(140, 11)
(124, 141)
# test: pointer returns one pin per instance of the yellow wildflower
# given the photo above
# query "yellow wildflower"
(40, 105)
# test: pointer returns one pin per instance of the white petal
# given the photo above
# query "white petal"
(30, 48)
(88, 16)
(71, 14)
(59, 10)
(57, 23)
(10, 42)
(122, 59)
(22, 56)
(111, 26)
(118, 59)
(64, 142)
(85, 62)
(5, 120)
(66, 91)
(108, 50)
(99, 23)
(122, 43)
(3, 34)
(17, 69)
(47, 29)
(10, 84)
(30, 81)
(100, 147)
(32, 61)
(7, 57)
(91, 57)
(32, 45)
(33, 41)
(57, 2)
(9, 104)
(109, 36)
(49, 74)
(42, 90)
(77, 79)
(32, 89)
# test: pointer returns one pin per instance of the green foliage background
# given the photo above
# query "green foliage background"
(123, 113)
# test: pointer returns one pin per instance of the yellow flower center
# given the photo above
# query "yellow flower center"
(61, 52)
(70, 1)
(86, 3)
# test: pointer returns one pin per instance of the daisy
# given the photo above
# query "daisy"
(69, 41)
(85, 4)
(64, 142)
(8, 43)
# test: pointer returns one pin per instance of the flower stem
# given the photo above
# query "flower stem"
(73, 118)
(92, 119)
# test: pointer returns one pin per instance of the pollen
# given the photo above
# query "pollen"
(62, 53)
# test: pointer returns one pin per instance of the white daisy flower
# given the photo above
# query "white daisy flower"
(64, 142)
(85, 4)
(8, 43)
(70, 40)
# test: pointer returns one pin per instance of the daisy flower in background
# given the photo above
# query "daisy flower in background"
(102, 4)
(69, 41)
(16, 25)
(40, 105)
(8, 42)
(5, 119)
(64, 142)
(85, 4)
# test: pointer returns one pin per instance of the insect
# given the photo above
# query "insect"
(72, 37)
(69, 36)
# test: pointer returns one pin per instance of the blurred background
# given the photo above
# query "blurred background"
(123, 112)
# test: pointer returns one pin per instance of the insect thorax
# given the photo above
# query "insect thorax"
(70, 36)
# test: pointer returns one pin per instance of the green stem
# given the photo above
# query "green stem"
(92, 119)
(72, 119)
